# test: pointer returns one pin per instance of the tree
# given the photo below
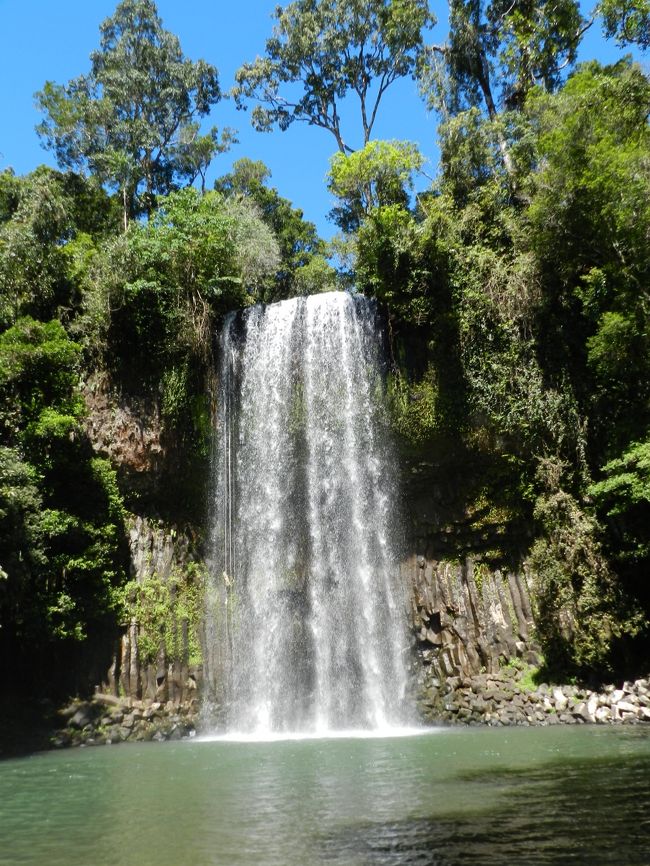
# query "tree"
(332, 48)
(40, 216)
(627, 20)
(380, 174)
(497, 53)
(132, 120)
(587, 227)
(168, 281)
(297, 238)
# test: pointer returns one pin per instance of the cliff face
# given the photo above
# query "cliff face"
(158, 654)
(128, 431)
(468, 619)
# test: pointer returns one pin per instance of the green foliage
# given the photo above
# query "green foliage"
(472, 166)
(527, 677)
(582, 610)
(413, 406)
(46, 215)
(166, 283)
(627, 20)
(132, 120)
(398, 260)
(32, 264)
(379, 174)
(314, 277)
(20, 515)
(627, 481)
(9, 194)
(587, 217)
(592, 141)
(61, 517)
(332, 48)
(38, 375)
(160, 607)
(518, 304)
(297, 239)
(497, 52)
(622, 496)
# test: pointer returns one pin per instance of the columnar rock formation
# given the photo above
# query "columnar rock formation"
(160, 556)
(467, 618)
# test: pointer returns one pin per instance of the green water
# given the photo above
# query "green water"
(577, 795)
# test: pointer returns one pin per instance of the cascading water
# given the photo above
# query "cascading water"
(306, 624)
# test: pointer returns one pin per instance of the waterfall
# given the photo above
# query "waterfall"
(307, 619)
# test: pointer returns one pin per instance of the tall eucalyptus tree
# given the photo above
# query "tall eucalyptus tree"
(132, 120)
(324, 50)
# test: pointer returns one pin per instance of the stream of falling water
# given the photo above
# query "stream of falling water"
(306, 623)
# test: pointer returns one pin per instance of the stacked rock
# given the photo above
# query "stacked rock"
(502, 699)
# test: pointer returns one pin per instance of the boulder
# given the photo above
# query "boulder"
(603, 714)
(81, 718)
(107, 700)
(581, 712)
(561, 700)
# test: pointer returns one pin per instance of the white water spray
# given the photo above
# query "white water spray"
(306, 628)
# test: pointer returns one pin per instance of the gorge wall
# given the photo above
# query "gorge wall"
(469, 619)
(466, 617)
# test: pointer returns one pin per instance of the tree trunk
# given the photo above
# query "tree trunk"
(484, 83)
(125, 208)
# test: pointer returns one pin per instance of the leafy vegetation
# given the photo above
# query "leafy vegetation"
(515, 289)
(61, 514)
(330, 49)
(132, 120)
(525, 274)
(169, 614)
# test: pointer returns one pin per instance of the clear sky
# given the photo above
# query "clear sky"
(43, 40)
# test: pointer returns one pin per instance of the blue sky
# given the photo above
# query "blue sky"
(41, 40)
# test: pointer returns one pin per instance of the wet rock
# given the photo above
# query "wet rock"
(81, 718)
(628, 711)
(581, 712)
(592, 705)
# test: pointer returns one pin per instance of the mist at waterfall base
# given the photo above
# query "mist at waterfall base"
(306, 626)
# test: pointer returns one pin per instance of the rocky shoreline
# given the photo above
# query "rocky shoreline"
(106, 719)
(508, 698)
(497, 699)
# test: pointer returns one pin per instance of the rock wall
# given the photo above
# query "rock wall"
(157, 657)
(509, 697)
(127, 431)
(162, 557)
(468, 619)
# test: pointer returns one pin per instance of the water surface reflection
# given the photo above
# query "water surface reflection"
(525, 797)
